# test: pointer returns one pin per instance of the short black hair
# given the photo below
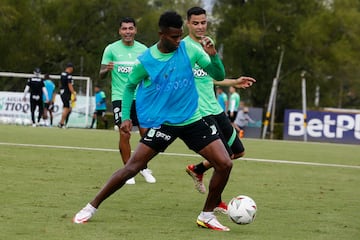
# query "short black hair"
(127, 20)
(170, 19)
(195, 11)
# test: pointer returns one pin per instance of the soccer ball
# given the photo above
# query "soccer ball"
(242, 209)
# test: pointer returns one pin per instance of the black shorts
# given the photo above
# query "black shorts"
(116, 105)
(196, 136)
(65, 98)
(100, 113)
(227, 133)
(232, 119)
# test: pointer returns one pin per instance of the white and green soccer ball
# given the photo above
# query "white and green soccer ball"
(242, 209)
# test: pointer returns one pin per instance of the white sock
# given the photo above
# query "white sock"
(206, 215)
(91, 208)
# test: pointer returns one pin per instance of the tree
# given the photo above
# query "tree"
(332, 44)
(50, 33)
(252, 33)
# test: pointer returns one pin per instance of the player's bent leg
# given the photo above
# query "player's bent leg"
(217, 155)
(197, 178)
(124, 146)
(125, 151)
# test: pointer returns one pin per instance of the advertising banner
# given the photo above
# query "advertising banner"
(336, 127)
(15, 110)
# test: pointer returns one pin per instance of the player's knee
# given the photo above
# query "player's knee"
(228, 165)
(131, 171)
(225, 166)
(133, 168)
(124, 136)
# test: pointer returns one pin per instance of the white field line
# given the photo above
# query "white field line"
(185, 155)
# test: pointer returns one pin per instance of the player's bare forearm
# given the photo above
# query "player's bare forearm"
(105, 68)
(241, 82)
(225, 83)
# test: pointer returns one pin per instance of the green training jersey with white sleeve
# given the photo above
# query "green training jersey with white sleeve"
(208, 104)
(124, 58)
(234, 102)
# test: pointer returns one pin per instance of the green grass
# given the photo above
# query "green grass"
(43, 187)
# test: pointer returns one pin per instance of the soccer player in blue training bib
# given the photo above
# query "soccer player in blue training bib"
(166, 86)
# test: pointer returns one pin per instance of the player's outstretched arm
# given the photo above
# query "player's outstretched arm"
(241, 82)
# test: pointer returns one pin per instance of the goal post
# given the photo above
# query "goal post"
(13, 109)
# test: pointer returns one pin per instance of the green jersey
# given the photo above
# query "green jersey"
(234, 102)
(208, 104)
(212, 64)
(124, 58)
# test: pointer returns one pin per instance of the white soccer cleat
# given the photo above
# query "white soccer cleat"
(147, 174)
(130, 181)
(211, 223)
(84, 214)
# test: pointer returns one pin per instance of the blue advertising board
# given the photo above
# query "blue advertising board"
(333, 127)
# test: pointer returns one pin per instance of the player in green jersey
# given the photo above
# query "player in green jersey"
(234, 103)
(211, 110)
(118, 59)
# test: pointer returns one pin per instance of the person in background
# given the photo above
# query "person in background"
(67, 93)
(118, 60)
(37, 89)
(234, 102)
(100, 107)
(222, 98)
(49, 106)
(242, 120)
(72, 106)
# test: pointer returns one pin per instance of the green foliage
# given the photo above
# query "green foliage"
(50, 33)
(331, 41)
(320, 37)
(52, 173)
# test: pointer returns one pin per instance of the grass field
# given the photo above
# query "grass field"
(302, 190)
